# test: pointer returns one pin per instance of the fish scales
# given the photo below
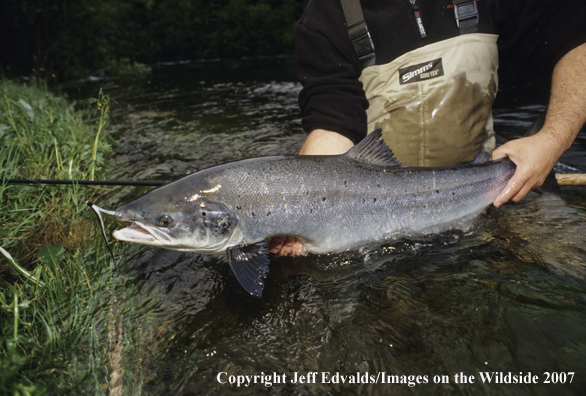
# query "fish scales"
(353, 203)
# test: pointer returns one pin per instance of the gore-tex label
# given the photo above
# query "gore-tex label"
(421, 72)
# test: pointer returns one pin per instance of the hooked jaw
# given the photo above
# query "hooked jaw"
(136, 234)
(144, 235)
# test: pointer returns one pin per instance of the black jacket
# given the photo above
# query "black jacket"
(532, 33)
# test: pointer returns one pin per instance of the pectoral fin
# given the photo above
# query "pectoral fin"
(250, 264)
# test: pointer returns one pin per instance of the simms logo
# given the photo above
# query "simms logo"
(422, 71)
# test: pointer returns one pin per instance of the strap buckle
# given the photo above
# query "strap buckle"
(362, 41)
(466, 10)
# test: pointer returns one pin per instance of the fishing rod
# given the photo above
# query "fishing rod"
(563, 179)
(571, 179)
(153, 183)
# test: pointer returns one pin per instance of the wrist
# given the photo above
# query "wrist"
(323, 142)
(559, 135)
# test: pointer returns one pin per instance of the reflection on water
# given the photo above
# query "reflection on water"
(212, 124)
(510, 297)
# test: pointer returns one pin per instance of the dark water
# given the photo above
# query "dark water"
(414, 317)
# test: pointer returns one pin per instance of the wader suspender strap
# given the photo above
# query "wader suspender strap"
(358, 32)
(466, 13)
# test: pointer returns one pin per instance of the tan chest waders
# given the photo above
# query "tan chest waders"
(433, 103)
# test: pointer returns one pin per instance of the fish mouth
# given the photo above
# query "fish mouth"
(137, 233)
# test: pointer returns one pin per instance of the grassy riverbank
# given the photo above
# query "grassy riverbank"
(52, 253)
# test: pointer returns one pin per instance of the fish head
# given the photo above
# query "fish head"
(201, 224)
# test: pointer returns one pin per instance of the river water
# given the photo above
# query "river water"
(411, 318)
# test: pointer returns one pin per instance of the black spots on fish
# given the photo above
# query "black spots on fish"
(369, 200)
(238, 207)
(203, 214)
(310, 211)
(323, 199)
(268, 214)
(437, 191)
(253, 215)
(378, 185)
(345, 183)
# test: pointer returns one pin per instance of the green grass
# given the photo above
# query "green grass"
(55, 272)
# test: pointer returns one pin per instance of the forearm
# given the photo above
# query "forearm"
(322, 142)
(536, 155)
(566, 113)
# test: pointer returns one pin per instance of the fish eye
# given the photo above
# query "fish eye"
(165, 221)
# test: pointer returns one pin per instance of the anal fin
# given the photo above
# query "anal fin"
(250, 264)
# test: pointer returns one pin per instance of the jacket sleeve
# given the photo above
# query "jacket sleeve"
(537, 33)
(332, 97)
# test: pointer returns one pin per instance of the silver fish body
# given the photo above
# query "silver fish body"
(333, 203)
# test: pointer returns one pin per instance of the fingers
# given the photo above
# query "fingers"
(524, 180)
(515, 185)
(275, 244)
(499, 152)
(297, 248)
(534, 160)
(286, 246)
(515, 190)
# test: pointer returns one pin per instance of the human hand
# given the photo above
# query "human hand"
(535, 157)
(287, 246)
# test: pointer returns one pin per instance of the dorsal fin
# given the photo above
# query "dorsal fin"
(482, 158)
(374, 150)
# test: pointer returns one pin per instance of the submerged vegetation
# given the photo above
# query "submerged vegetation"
(51, 247)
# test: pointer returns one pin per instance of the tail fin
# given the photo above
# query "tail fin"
(537, 124)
